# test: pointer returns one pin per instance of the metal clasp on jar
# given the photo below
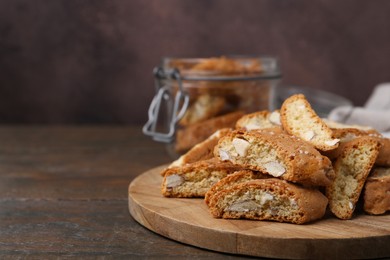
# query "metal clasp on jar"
(164, 94)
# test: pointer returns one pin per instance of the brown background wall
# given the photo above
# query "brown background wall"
(91, 61)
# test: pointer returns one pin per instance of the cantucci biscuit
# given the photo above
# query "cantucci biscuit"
(299, 119)
(195, 179)
(204, 107)
(259, 120)
(377, 192)
(273, 152)
(269, 199)
(233, 179)
(352, 168)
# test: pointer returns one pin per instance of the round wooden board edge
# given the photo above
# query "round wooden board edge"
(331, 248)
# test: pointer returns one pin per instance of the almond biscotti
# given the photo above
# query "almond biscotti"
(274, 152)
(233, 179)
(269, 199)
(352, 168)
(377, 192)
(195, 179)
(259, 120)
(299, 119)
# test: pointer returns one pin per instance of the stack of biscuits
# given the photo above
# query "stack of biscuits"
(287, 165)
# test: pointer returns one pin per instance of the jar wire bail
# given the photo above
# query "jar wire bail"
(164, 94)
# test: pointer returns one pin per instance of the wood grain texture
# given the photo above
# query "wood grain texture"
(188, 221)
(63, 194)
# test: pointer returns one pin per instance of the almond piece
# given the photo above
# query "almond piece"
(309, 135)
(274, 118)
(243, 206)
(224, 155)
(263, 198)
(332, 142)
(174, 180)
(241, 146)
(252, 126)
(275, 168)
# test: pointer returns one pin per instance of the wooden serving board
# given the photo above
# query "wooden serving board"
(188, 221)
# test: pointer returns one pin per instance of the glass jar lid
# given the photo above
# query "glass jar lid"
(222, 68)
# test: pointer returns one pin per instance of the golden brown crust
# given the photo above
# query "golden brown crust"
(352, 168)
(195, 179)
(377, 192)
(299, 119)
(269, 199)
(233, 179)
(383, 158)
(188, 137)
(276, 153)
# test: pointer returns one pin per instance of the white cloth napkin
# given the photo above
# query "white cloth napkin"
(375, 113)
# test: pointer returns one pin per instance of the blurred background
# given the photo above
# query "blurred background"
(87, 62)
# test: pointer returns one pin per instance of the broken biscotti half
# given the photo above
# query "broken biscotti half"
(274, 152)
(352, 168)
(377, 192)
(299, 119)
(233, 179)
(195, 179)
(259, 120)
(269, 199)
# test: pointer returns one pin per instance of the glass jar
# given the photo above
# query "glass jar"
(197, 96)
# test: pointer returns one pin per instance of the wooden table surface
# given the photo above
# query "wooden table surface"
(63, 193)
